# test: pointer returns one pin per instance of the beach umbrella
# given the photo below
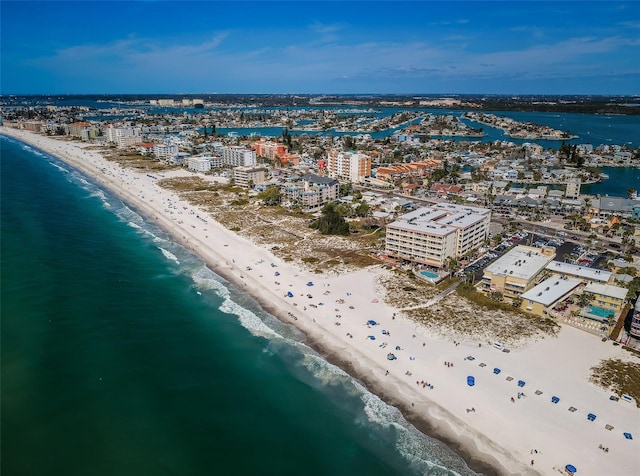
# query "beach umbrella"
(371, 337)
(591, 417)
(571, 468)
(471, 381)
(628, 436)
(555, 399)
(371, 322)
(496, 371)
(520, 383)
(309, 283)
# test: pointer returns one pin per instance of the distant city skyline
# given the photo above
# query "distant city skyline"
(362, 47)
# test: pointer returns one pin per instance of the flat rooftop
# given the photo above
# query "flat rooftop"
(581, 271)
(423, 214)
(427, 227)
(462, 220)
(454, 208)
(521, 262)
(608, 290)
(551, 290)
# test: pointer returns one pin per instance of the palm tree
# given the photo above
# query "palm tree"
(584, 299)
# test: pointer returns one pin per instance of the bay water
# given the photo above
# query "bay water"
(123, 354)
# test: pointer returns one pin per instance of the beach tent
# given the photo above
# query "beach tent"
(289, 294)
(520, 383)
(277, 273)
(628, 436)
(471, 381)
(591, 417)
(496, 371)
(571, 468)
(555, 399)
(309, 283)
(391, 357)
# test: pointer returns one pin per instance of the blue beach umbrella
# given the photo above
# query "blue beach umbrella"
(471, 381)
(571, 468)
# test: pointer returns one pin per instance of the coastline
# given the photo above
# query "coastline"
(486, 443)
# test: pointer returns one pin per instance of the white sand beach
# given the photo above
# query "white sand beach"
(495, 423)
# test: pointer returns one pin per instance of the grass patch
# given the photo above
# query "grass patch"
(621, 377)
(187, 184)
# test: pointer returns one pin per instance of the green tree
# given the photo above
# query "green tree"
(271, 196)
(362, 210)
(584, 299)
(347, 142)
(345, 189)
(331, 222)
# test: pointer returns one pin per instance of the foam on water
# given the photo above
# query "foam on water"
(169, 255)
(427, 455)
(248, 319)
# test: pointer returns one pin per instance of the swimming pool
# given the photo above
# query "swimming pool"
(601, 312)
(429, 274)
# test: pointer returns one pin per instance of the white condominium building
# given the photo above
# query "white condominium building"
(165, 151)
(199, 164)
(238, 156)
(432, 235)
(116, 134)
(351, 166)
(471, 224)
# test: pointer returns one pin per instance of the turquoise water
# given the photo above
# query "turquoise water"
(122, 354)
(620, 180)
(429, 274)
(601, 312)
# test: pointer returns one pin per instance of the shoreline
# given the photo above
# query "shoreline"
(483, 447)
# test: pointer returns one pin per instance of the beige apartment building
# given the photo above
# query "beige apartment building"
(432, 235)
(351, 166)
(516, 272)
(248, 176)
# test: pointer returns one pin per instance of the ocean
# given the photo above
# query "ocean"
(122, 354)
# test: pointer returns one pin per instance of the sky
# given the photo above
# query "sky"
(305, 47)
